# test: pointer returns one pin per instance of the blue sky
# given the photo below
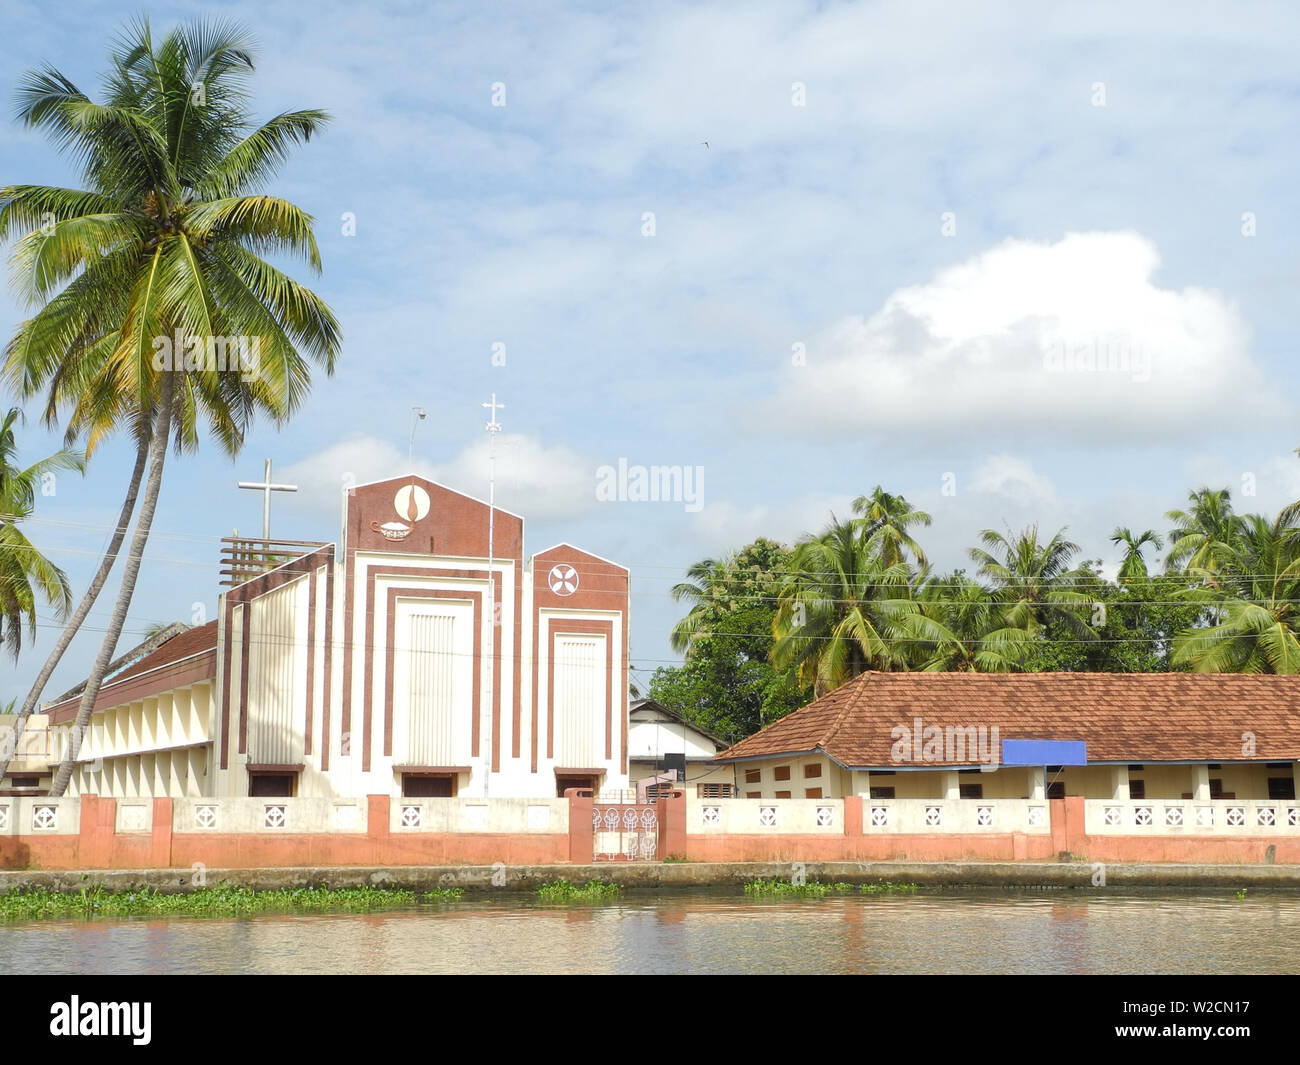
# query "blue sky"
(860, 283)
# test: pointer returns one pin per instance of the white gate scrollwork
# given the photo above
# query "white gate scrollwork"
(624, 832)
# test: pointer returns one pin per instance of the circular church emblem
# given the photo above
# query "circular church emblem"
(563, 579)
(411, 503)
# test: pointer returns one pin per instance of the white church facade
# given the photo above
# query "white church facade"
(421, 656)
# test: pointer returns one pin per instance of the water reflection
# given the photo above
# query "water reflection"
(949, 933)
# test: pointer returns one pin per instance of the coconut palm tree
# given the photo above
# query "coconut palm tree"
(718, 587)
(1254, 591)
(1033, 580)
(887, 519)
(1204, 535)
(839, 608)
(27, 577)
(709, 589)
(25, 574)
(960, 626)
(165, 245)
(1134, 566)
(73, 623)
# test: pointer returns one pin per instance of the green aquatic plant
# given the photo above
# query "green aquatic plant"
(592, 891)
(816, 889)
(224, 901)
(886, 887)
(786, 889)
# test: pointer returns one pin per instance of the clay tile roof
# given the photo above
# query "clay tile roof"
(1122, 717)
(182, 645)
(187, 644)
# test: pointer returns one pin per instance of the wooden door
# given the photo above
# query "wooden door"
(416, 786)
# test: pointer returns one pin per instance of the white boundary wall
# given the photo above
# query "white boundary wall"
(1191, 817)
(879, 816)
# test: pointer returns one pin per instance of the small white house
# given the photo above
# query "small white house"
(655, 733)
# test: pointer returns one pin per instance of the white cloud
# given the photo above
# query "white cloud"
(1280, 478)
(1013, 478)
(725, 526)
(1065, 340)
(1260, 486)
(531, 479)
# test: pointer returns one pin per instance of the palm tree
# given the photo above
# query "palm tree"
(717, 587)
(887, 519)
(27, 577)
(1034, 581)
(961, 626)
(1134, 565)
(839, 608)
(708, 588)
(166, 242)
(1254, 591)
(1205, 534)
(97, 582)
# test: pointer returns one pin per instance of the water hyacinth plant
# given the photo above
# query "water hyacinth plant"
(592, 891)
(42, 904)
(816, 889)
(786, 889)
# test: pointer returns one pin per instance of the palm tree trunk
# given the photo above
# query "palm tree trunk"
(7, 750)
(157, 456)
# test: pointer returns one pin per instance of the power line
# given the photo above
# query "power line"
(266, 640)
(599, 569)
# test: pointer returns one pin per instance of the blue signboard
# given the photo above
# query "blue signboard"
(1044, 752)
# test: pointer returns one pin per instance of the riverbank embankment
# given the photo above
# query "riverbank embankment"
(673, 876)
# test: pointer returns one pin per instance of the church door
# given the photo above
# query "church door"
(277, 785)
(420, 786)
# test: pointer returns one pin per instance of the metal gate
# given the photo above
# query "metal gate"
(624, 832)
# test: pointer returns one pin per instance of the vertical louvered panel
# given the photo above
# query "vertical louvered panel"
(273, 674)
(431, 691)
(579, 701)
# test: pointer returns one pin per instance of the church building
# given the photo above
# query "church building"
(424, 655)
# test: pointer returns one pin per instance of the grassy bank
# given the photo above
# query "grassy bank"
(208, 902)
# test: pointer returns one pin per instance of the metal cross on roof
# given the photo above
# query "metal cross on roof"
(494, 426)
(266, 488)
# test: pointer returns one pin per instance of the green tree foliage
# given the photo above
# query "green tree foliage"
(1034, 582)
(715, 588)
(27, 577)
(1204, 534)
(1135, 625)
(886, 520)
(840, 604)
(860, 596)
(1134, 566)
(168, 237)
(962, 625)
(1249, 585)
(727, 683)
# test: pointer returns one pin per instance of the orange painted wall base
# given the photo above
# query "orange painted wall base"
(97, 844)
(1065, 837)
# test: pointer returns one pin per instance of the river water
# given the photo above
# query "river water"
(1043, 932)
